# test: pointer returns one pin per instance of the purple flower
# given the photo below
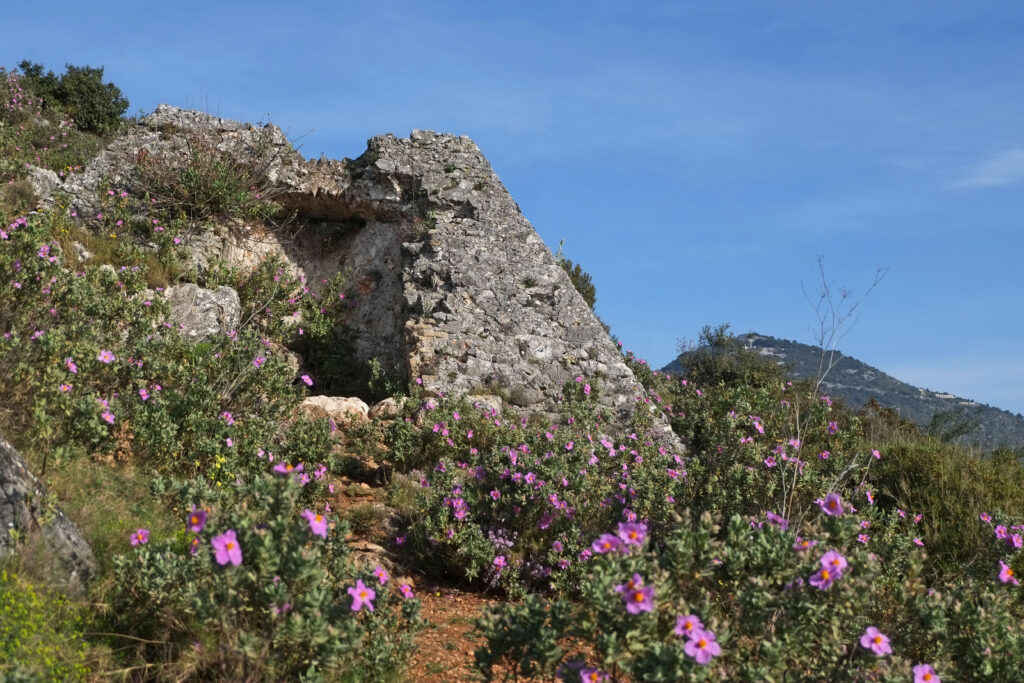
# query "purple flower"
(924, 673)
(285, 468)
(1006, 574)
(500, 562)
(607, 543)
(108, 417)
(833, 427)
(804, 543)
(632, 534)
(381, 574)
(106, 356)
(832, 505)
(586, 389)
(688, 625)
(985, 517)
(406, 591)
(362, 596)
(876, 641)
(196, 520)
(226, 548)
(317, 522)
(777, 520)
(307, 380)
(702, 646)
(70, 365)
(834, 561)
(640, 599)
(140, 537)
(593, 676)
(823, 579)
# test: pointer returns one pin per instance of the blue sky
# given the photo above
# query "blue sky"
(696, 157)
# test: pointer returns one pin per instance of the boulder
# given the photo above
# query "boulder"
(200, 313)
(388, 408)
(25, 508)
(43, 181)
(337, 408)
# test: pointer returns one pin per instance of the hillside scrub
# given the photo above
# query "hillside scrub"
(795, 538)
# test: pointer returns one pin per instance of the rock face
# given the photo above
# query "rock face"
(337, 408)
(201, 313)
(43, 181)
(454, 285)
(24, 509)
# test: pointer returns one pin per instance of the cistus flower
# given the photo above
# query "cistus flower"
(823, 580)
(632, 534)
(106, 356)
(639, 600)
(876, 641)
(702, 646)
(686, 626)
(406, 591)
(924, 673)
(226, 548)
(140, 537)
(196, 520)
(593, 676)
(607, 543)
(834, 561)
(381, 574)
(1006, 574)
(317, 522)
(362, 596)
(286, 468)
(832, 505)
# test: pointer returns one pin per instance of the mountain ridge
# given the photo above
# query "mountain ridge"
(856, 383)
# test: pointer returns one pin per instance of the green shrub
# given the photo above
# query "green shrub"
(280, 609)
(79, 93)
(40, 634)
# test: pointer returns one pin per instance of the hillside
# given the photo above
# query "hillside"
(856, 382)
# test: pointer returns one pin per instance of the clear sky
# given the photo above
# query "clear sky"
(696, 157)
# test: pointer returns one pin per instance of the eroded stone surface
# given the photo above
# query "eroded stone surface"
(25, 508)
(336, 408)
(452, 283)
(200, 313)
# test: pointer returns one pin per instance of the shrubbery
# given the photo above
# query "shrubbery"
(79, 93)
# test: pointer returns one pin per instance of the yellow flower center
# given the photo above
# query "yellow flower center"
(825, 575)
(319, 518)
(702, 643)
(229, 546)
(878, 640)
(638, 596)
(928, 676)
(362, 595)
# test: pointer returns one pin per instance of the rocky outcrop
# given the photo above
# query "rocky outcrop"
(200, 313)
(43, 181)
(454, 286)
(337, 408)
(25, 509)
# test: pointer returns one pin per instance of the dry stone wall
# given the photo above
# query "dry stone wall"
(452, 281)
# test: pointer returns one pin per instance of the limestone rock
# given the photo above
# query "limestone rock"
(452, 283)
(200, 313)
(81, 252)
(388, 408)
(486, 402)
(337, 408)
(43, 181)
(25, 508)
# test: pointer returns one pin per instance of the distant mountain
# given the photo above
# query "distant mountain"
(857, 382)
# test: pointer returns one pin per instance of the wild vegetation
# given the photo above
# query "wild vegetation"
(795, 539)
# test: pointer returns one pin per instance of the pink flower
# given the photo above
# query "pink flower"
(70, 365)
(834, 560)
(226, 548)
(985, 517)
(823, 580)
(65, 388)
(500, 562)
(702, 646)
(143, 394)
(108, 417)
(832, 505)
(140, 537)
(307, 380)
(924, 673)
(381, 574)
(606, 543)
(586, 389)
(106, 356)
(878, 456)
(1006, 574)
(406, 591)
(876, 641)
(196, 520)
(317, 522)
(688, 625)
(362, 596)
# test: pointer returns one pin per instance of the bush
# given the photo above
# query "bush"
(79, 93)
(754, 602)
(40, 634)
(277, 604)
